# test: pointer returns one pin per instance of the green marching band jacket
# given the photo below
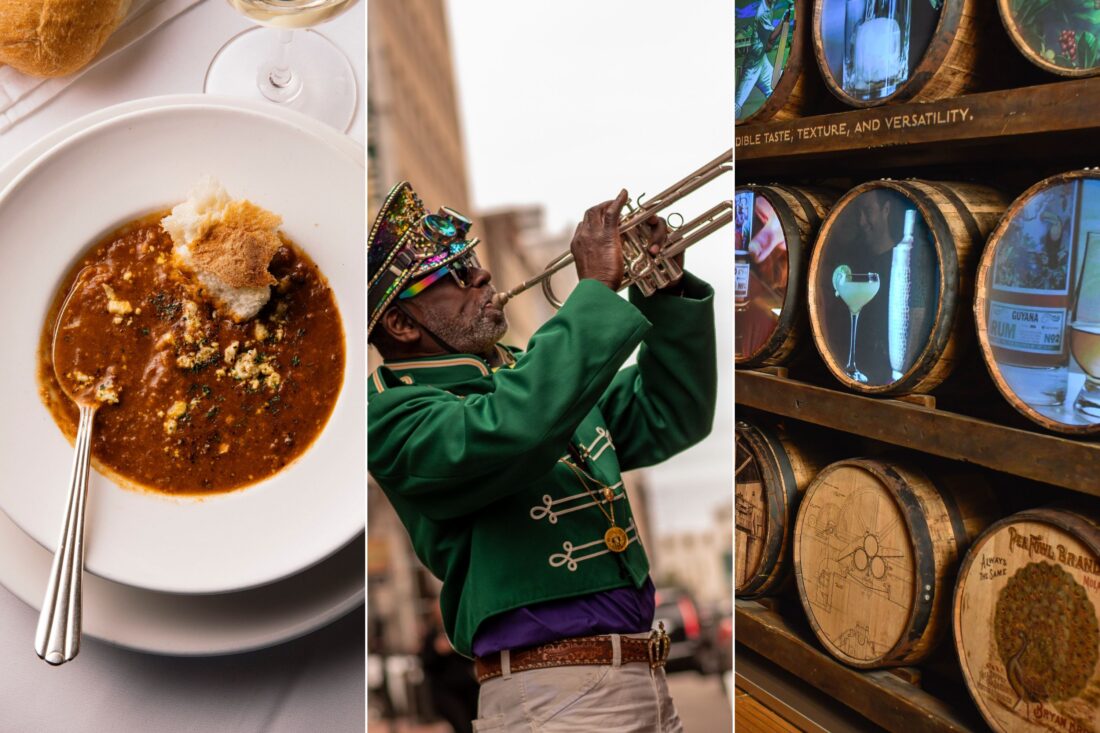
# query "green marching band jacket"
(474, 459)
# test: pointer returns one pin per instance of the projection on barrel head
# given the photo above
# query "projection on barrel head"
(751, 519)
(1042, 303)
(761, 268)
(877, 287)
(1062, 36)
(872, 46)
(765, 32)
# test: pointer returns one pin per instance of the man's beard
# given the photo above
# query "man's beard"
(475, 337)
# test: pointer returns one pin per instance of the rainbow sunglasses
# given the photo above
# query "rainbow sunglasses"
(461, 269)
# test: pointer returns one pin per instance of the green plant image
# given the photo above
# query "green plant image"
(764, 34)
(1063, 32)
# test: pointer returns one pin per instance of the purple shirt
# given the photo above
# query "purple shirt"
(619, 611)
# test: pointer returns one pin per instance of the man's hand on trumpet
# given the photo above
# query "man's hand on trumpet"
(658, 237)
(597, 245)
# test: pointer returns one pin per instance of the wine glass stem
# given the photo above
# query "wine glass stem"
(280, 75)
(852, 346)
(277, 80)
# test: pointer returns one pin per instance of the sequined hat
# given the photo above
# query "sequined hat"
(406, 242)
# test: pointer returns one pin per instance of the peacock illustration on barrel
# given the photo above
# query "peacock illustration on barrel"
(1026, 625)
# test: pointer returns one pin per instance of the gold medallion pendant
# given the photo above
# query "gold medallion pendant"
(615, 538)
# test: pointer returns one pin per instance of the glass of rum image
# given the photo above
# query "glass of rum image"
(1084, 335)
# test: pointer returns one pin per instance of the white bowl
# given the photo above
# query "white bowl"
(112, 172)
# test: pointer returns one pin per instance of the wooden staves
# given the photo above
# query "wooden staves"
(938, 55)
(891, 278)
(776, 226)
(1037, 303)
(1026, 622)
(876, 546)
(772, 471)
(793, 89)
(1060, 37)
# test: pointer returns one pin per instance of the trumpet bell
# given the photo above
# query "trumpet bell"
(650, 272)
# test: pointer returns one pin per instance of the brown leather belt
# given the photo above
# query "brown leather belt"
(583, 650)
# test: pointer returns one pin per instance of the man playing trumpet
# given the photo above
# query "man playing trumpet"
(505, 465)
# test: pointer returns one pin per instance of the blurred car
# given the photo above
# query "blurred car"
(723, 636)
(688, 630)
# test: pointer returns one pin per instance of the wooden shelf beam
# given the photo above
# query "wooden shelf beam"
(1064, 113)
(1052, 459)
(879, 696)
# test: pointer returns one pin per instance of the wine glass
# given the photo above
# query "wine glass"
(856, 289)
(1084, 334)
(303, 71)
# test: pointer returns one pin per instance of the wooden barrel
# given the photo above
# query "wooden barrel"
(1037, 303)
(776, 226)
(876, 546)
(1060, 38)
(770, 57)
(773, 469)
(1027, 625)
(892, 275)
(871, 52)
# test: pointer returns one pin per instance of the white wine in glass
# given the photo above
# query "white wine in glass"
(1084, 335)
(300, 70)
(291, 14)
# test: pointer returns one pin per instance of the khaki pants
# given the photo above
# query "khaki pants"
(629, 698)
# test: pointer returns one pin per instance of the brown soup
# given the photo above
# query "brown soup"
(204, 404)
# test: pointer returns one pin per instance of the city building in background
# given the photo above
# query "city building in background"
(518, 247)
(414, 135)
(414, 130)
(699, 562)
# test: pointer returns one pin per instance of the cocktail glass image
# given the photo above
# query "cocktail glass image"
(1084, 334)
(856, 289)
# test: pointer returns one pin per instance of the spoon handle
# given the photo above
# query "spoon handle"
(57, 639)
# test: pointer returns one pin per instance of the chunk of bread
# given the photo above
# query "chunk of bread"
(56, 37)
(227, 246)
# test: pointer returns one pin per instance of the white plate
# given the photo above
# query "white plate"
(110, 171)
(203, 625)
(168, 623)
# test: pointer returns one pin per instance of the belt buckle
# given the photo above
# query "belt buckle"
(658, 646)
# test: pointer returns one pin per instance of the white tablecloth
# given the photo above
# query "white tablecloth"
(312, 684)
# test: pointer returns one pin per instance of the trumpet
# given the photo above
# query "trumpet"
(649, 272)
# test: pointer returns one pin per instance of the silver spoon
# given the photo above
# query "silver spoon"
(57, 639)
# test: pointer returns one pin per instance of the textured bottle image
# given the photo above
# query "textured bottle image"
(901, 281)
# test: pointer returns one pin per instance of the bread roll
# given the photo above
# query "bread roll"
(56, 37)
(227, 246)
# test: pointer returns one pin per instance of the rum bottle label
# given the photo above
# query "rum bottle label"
(1027, 329)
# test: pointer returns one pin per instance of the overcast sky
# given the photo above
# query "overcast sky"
(565, 103)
